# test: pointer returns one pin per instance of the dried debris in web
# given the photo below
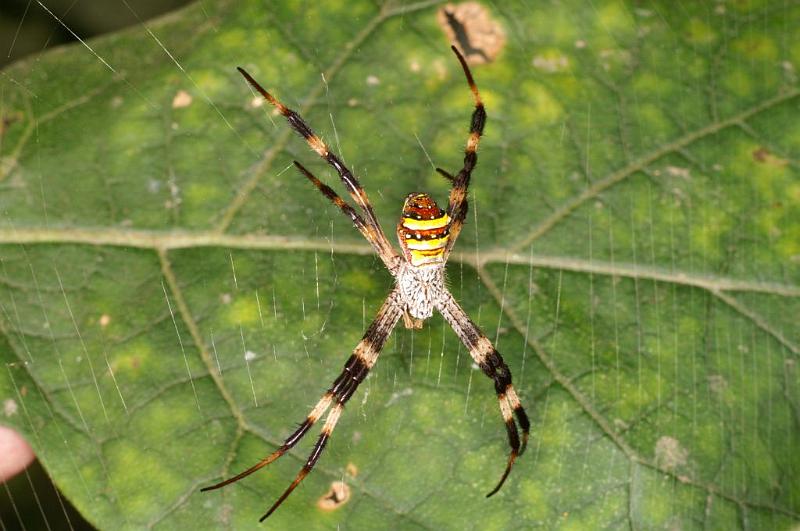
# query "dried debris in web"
(337, 495)
(470, 27)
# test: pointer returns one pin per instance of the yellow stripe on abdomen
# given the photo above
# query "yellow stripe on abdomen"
(426, 224)
(426, 245)
(423, 231)
(419, 258)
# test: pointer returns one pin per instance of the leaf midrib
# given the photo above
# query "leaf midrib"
(176, 240)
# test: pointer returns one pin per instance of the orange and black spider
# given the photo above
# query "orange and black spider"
(426, 234)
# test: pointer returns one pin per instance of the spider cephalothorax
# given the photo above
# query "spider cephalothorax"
(426, 234)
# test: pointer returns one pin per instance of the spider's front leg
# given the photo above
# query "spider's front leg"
(368, 225)
(457, 208)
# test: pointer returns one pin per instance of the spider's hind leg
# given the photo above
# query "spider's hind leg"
(353, 373)
(491, 363)
(322, 406)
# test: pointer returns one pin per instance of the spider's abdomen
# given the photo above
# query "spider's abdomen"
(421, 288)
(423, 230)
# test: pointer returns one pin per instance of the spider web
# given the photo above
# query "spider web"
(173, 297)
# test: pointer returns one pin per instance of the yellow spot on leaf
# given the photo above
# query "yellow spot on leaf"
(756, 47)
(200, 196)
(700, 33)
(162, 481)
(738, 81)
(650, 84)
(130, 360)
(542, 107)
(242, 311)
(614, 20)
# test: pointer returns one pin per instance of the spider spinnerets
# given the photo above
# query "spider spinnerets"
(426, 234)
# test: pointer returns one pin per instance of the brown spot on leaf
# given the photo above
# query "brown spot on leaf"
(551, 62)
(677, 171)
(470, 27)
(717, 383)
(182, 99)
(351, 469)
(670, 454)
(7, 120)
(337, 495)
(10, 407)
(763, 156)
(760, 154)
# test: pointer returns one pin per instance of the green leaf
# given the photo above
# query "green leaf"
(174, 297)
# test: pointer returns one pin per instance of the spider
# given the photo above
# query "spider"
(427, 235)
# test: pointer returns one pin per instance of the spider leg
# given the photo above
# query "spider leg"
(457, 209)
(361, 361)
(366, 230)
(354, 372)
(493, 366)
(446, 175)
(317, 144)
(322, 406)
(319, 446)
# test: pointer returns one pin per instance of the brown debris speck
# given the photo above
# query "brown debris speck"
(10, 407)
(670, 454)
(470, 27)
(182, 99)
(8, 120)
(763, 155)
(337, 495)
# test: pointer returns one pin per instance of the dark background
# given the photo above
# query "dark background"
(30, 501)
(27, 29)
